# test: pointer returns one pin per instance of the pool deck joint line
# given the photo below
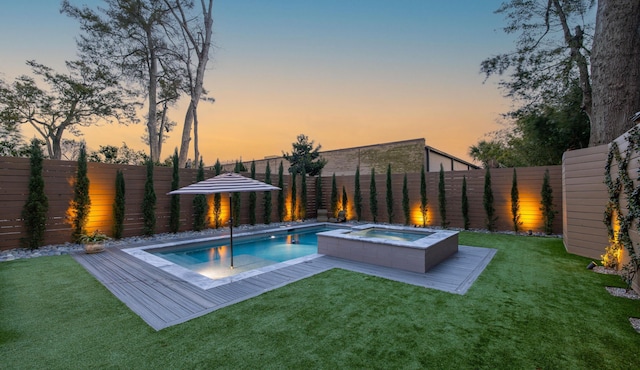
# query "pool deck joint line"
(163, 298)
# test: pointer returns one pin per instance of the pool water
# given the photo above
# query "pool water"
(214, 259)
(390, 234)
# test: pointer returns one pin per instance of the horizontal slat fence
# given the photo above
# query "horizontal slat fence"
(585, 199)
(59, 178)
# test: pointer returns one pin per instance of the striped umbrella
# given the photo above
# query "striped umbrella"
(226, 183)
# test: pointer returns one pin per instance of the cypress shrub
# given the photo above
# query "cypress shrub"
(334, 197)
(267, 196)
(515, 203)
(252, 197)
(548, 213)
(389, 195)
(217, 198)
(200, 205)
(81, 203)
(487, 202)
(303, 195)
(424, 202)
(405, 201)
(357, 196)
(281, 209)
(149, 203)
(465, 204)
(34, 212)
(345, 200)
(174, 215)
(118, 206)
(319, 200)
(373, 196)
(442, 199)
(294, 198)
(235, 198)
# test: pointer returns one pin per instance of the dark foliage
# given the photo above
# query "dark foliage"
(424, 202)
(389, 195)
(34, 212)
(465, 204)
(200, 206)
(252, 196)
(119, 206)
(81, 203)
(267, 196)
(515, 203)
(357, 196)
(149, 203)
(405, 201)
(442, 200)
(487, 202)
(174, 215)
(373, 196)
(281, 209)
(548, 213)
(334, 197)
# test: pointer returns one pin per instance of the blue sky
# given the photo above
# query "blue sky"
(345, 73)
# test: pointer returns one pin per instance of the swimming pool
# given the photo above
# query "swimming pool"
(212, 258)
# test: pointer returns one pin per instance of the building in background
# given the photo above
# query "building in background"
(405, 156)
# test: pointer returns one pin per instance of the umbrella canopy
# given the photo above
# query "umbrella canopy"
(226, 183)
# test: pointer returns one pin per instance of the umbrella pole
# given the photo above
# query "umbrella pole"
(231, 226)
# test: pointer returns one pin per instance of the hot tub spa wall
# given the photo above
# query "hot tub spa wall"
(410, 258)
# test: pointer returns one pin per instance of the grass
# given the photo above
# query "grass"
(535, 306)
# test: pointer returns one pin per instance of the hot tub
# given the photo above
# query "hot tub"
(406, 248)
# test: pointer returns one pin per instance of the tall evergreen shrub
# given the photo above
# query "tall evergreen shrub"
(303, 195)
(442, 199)
(267, 196)
(465, 204)
(34, 212)
(174, 215)
(405, 201)
(235, 198)
(200, 206)
(389, 195)
(334, 197)
(424, 201)
(345, 200)
(515, 203)
(81, 203)
(252, 197)
(294, 198)
(373, 196)
(149, 203)
(281, 208)
(319, 200)
(548, 213)
(118, 206)
(217, 198)
(357, 196)
(487, 202)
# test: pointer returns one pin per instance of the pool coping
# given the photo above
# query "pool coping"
(204, 282)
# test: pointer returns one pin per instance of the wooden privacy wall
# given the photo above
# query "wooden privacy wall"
(585, 199)
(59, 177)
(529, 187)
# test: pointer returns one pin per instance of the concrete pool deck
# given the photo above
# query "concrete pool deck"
(163, 299)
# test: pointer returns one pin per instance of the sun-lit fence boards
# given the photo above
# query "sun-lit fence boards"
(59, 178)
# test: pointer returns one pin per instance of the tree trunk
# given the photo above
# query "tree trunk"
(615, 69)
(196, 150)
(152, 124)
(201, 44)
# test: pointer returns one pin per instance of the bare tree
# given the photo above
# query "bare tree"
(129, 35)
(196, 33)
(85, 96)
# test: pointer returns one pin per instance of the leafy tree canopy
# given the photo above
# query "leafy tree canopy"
(304, 158)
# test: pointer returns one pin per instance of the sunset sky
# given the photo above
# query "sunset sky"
(345, 73)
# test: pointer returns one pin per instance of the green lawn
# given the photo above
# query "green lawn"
(534, 306)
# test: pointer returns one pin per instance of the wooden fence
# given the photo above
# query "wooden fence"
(59, 178)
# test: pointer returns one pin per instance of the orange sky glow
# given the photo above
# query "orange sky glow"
(330, 71)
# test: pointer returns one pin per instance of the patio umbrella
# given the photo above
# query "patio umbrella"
(226, 183)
